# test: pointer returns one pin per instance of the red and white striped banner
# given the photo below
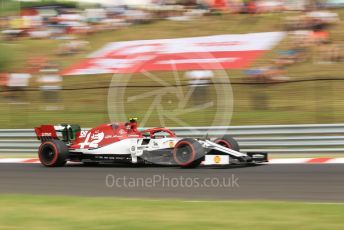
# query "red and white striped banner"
(233, 51)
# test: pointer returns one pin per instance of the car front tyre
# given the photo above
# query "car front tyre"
(188, 153)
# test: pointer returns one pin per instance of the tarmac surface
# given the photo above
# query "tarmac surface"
(302, 182)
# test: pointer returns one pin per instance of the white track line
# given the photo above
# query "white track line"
(14, 160)
(336, 161)
(289, 161)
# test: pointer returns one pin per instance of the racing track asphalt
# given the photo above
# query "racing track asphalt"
(269, 182)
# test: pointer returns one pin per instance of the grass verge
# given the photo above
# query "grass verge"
(43, 212)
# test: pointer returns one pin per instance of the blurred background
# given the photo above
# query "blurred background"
(297, 80)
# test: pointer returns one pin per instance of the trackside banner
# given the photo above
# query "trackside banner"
(232, 51)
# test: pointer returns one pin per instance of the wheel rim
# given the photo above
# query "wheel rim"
(184, 154)
(48, 155)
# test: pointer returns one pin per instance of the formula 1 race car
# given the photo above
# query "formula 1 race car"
(123, 143)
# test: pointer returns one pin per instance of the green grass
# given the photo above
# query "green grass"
(306, 102)
(37, 212)
(293, 103)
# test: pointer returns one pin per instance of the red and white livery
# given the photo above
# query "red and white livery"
(123, 143)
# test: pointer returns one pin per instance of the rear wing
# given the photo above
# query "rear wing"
(46, 132)
(67, 132)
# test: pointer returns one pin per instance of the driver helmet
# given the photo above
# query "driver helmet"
(132, 123)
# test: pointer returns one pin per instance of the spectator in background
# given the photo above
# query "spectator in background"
(319, 36)
(3, 83)
(72, 47)
(34, 64)
(17, 84)
(50, 86)
(3, 80)
(295, 54)
(251, 7)
(275, 72)
(328, 52)
(199, 84)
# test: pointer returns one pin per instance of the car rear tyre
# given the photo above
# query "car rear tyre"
(228, 142)
(188, 153)
(53, 153)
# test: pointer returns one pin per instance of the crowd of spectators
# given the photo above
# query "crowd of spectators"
(309, 39)
(307, 31)
(59, 21)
